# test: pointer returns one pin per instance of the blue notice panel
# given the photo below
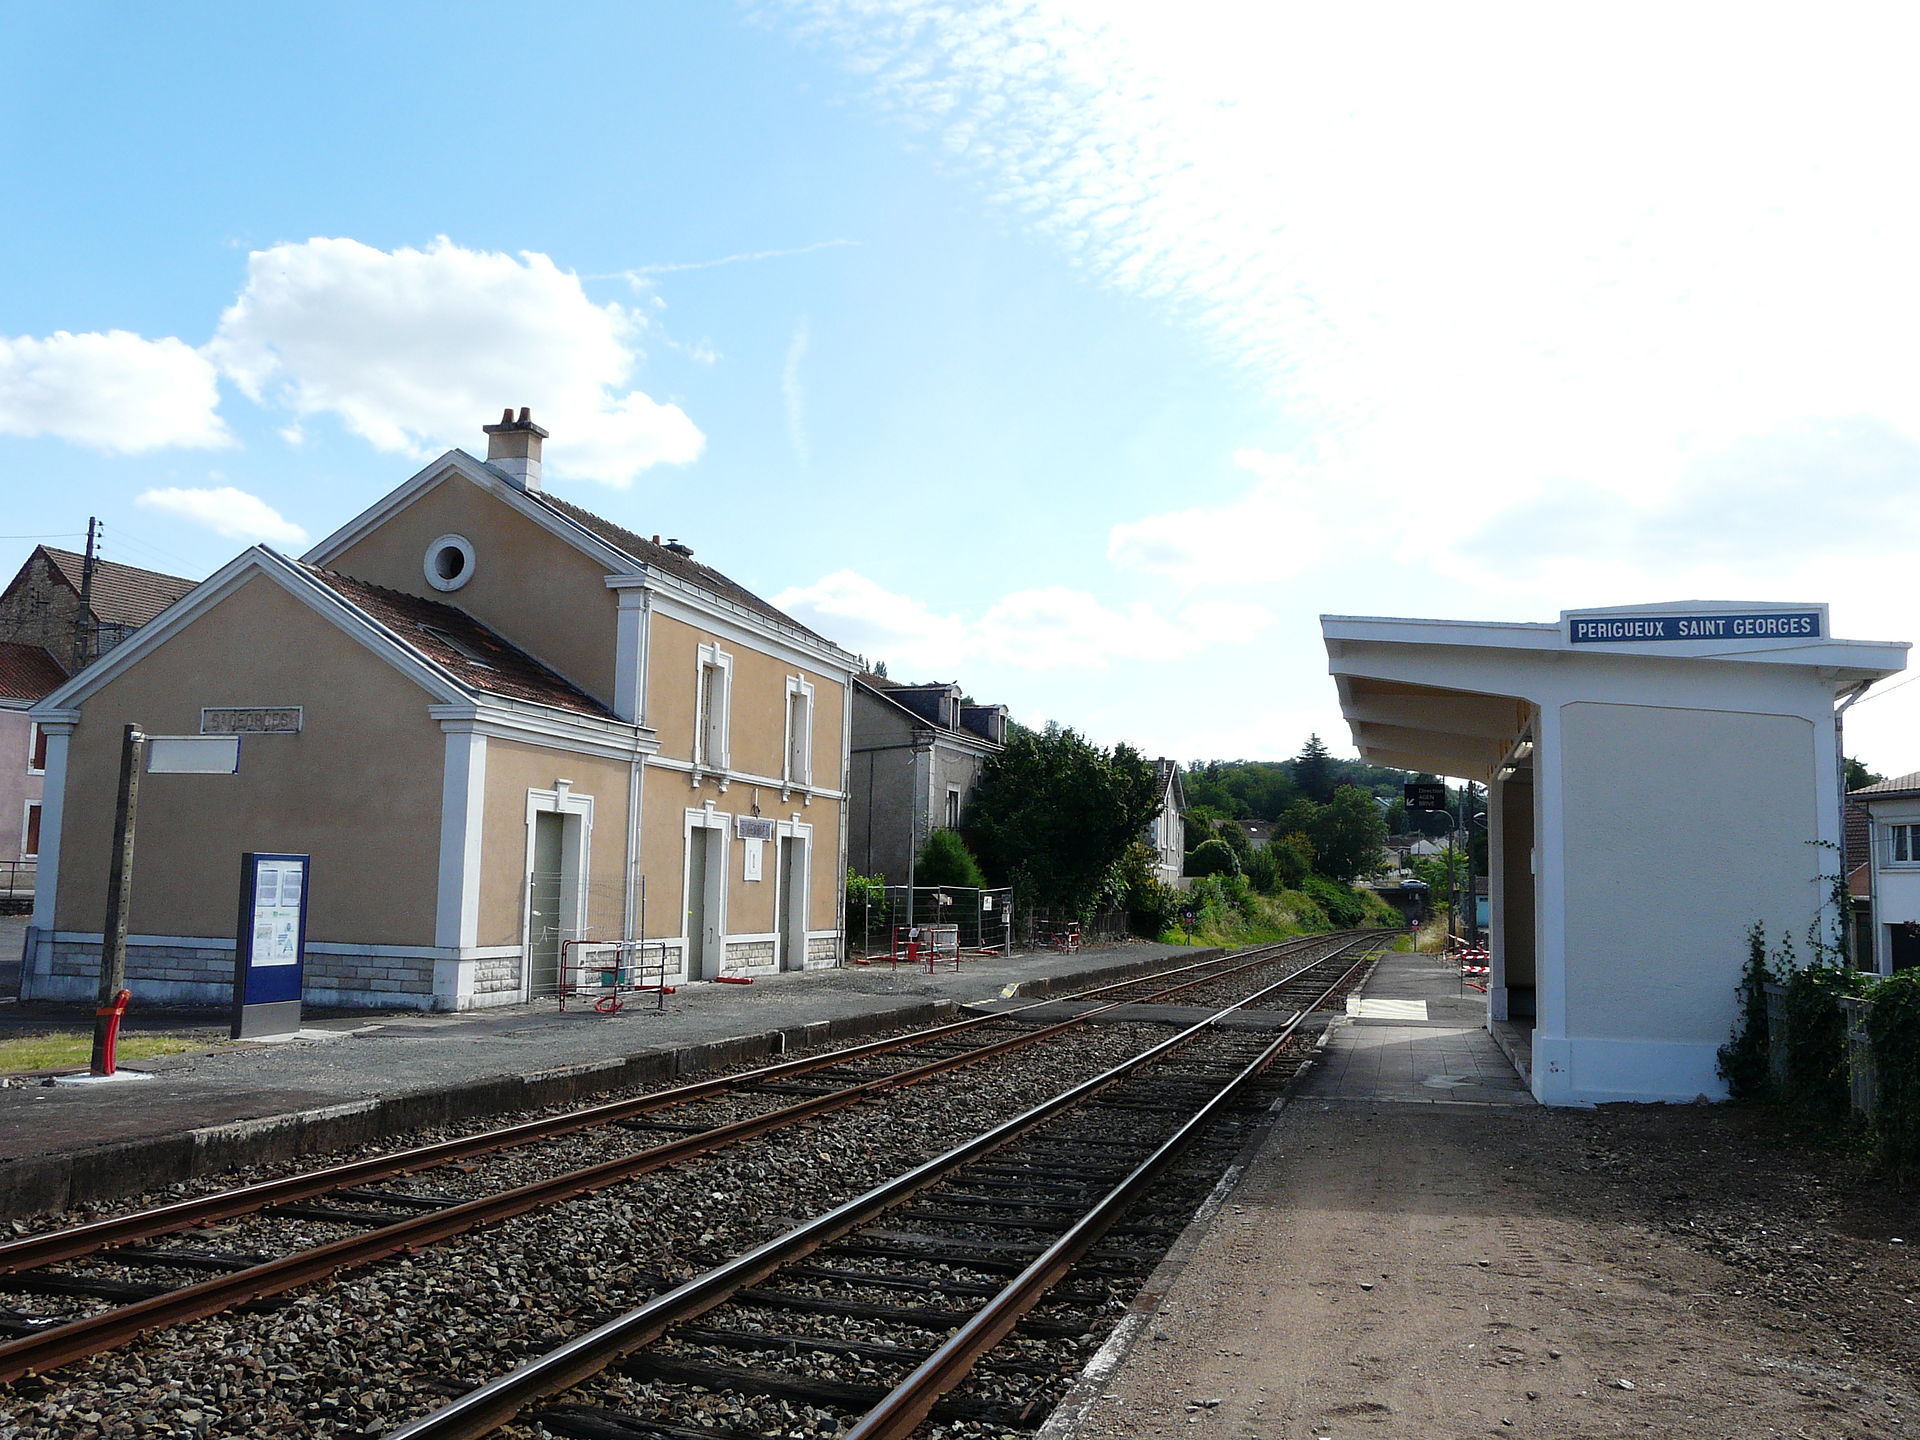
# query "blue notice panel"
(270, 944)
(1709, 625)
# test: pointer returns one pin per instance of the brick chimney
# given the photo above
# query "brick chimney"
(513, 448)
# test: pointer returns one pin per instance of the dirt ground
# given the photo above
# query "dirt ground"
(1425, 1271)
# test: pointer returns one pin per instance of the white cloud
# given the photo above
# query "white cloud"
(415, 349)
(1045, 628)
(857, 613)
(229, 512)
(1438, 235)
(1279, 526)
(117, 392)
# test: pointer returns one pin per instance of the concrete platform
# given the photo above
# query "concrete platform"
(1415, 1036)
(1407, 1073)
(375, 1075)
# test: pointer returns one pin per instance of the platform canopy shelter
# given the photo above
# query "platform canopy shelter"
(1659, 778)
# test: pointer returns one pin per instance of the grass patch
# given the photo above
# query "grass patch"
(65, 1049)
(1228, 913)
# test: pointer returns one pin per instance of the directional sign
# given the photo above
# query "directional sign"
(193, 754)
(1710, 625)
(1424, 795)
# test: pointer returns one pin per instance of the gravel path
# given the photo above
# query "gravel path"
(1420, 1271)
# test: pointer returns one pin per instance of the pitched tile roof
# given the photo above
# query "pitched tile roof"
(122, 594)
(27, 672)
(1897, 785)
(659, 557)
(460, 645)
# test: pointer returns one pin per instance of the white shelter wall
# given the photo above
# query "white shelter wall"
(1683, 827)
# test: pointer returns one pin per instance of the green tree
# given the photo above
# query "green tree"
(1292, 856)
(1349, 835)
(1858, 775)
(1313, 771)
(945, 860)
(1053, 812)
(1445, 874)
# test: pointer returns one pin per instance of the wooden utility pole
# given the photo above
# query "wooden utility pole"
(113, 939)
(83, 619)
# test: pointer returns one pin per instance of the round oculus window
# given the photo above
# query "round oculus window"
(449, 562)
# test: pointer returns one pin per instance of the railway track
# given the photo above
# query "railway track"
(96, 1286)
(898, 1305)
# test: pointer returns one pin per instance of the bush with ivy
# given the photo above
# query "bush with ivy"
(1894, 1027)
(1745, 1059)
(1817, 1079)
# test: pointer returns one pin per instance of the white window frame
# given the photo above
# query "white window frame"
(26, 828)
(1901, 836)
(954, 800)
(33, 744)
(712, 733)
(796, 765)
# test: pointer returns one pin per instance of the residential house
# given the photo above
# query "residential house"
(1893, 823)
(1167, 832)
(27, 674)
(917, 753)
(498, 723)
(77, 610)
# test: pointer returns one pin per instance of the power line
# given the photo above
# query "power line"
(61, 535)
(1873, 695)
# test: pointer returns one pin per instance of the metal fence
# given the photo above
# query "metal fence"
(1050, 929)
(16, 885)
(1862, 1074)
(983, 917)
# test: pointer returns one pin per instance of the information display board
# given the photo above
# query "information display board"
(270, 945)
(1423, 795)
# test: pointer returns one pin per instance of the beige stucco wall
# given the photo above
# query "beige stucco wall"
(528, 584)
(750, 904)
(758, 725)
(1671, 868)
(513, 769)
(359, 788)
(756, 746)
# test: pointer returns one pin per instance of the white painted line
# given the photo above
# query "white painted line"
(1386, 1009)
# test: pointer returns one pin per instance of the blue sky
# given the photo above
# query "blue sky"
(1083, 353)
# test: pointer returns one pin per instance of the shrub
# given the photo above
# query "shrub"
(1261, 872)
(945, 860)
(1213, 857)
(1744, 1059)
(1894, 1026)
(865, 890)
(1346, 907)
(1817, 1078)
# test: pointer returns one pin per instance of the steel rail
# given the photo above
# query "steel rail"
(90, 1335)
(34, 1251)
(904, 1407)
(480, 1411)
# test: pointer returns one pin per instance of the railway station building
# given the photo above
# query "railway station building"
(1660, 777)
(497, 723)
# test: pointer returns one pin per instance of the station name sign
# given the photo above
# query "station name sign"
(1640, 629)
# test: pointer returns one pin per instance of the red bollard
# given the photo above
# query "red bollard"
(113, 1015)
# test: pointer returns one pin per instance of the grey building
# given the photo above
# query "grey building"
(917, 753)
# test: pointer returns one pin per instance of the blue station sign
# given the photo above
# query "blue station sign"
(1708, 625)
